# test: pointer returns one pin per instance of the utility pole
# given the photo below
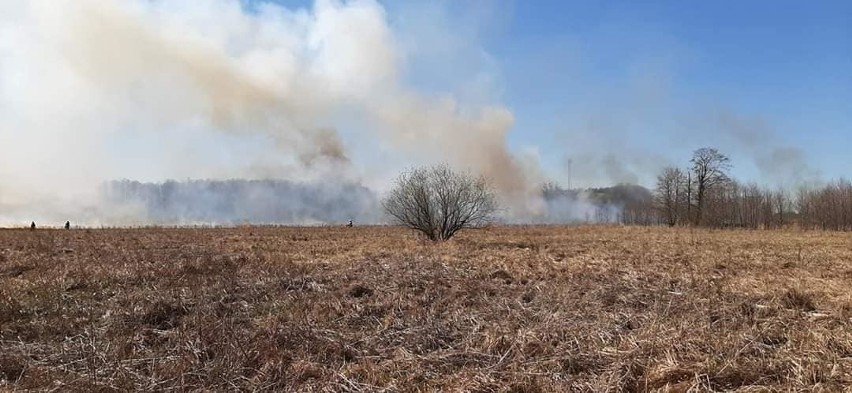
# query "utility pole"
(568, 164)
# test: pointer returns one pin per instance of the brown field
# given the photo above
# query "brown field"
(520, 309)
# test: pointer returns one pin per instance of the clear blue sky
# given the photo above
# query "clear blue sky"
(782, 66)
(639, 84)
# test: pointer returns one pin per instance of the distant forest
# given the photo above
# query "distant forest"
(702, 195)
(705, 195)
(244, 201)
(230, 202)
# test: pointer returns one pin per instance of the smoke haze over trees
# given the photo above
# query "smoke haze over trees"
(231, 202)
(332, 98)
(623, 203)
(94, 90)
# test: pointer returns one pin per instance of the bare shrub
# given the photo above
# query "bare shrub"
(439, 202)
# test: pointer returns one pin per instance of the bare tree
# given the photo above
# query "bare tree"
(687, 190)
(708, 197)
(710, 169)
(781, 206)
(439, 202)
(670, 183)
(804, 204)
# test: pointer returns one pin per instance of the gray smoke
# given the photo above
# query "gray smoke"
(778, 163)
(616, 151)
(233, 202)
(151, 90)
(92, 90)
(591, 205)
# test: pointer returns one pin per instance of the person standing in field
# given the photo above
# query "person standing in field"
(32, 226)
(67, 224)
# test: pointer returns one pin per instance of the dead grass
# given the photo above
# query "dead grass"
(511, 309)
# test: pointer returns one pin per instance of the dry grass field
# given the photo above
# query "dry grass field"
(515, 309)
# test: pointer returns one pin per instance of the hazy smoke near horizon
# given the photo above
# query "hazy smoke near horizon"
(234, 202)
(94, 90)
(327, 97)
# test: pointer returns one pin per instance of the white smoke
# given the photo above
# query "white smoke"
(96, 90)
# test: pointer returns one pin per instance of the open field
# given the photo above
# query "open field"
(522, 309)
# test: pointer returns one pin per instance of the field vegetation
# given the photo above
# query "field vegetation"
(507, 308)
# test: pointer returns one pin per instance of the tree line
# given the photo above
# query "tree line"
(238, 201)
(705, 195)
(438, 201)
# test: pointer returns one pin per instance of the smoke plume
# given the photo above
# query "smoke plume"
(777, 163)
(94, 90)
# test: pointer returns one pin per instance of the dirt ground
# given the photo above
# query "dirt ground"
(515, 309)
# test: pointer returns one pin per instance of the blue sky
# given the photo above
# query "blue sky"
(600, 92)
(785, 65)
(640, 84)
